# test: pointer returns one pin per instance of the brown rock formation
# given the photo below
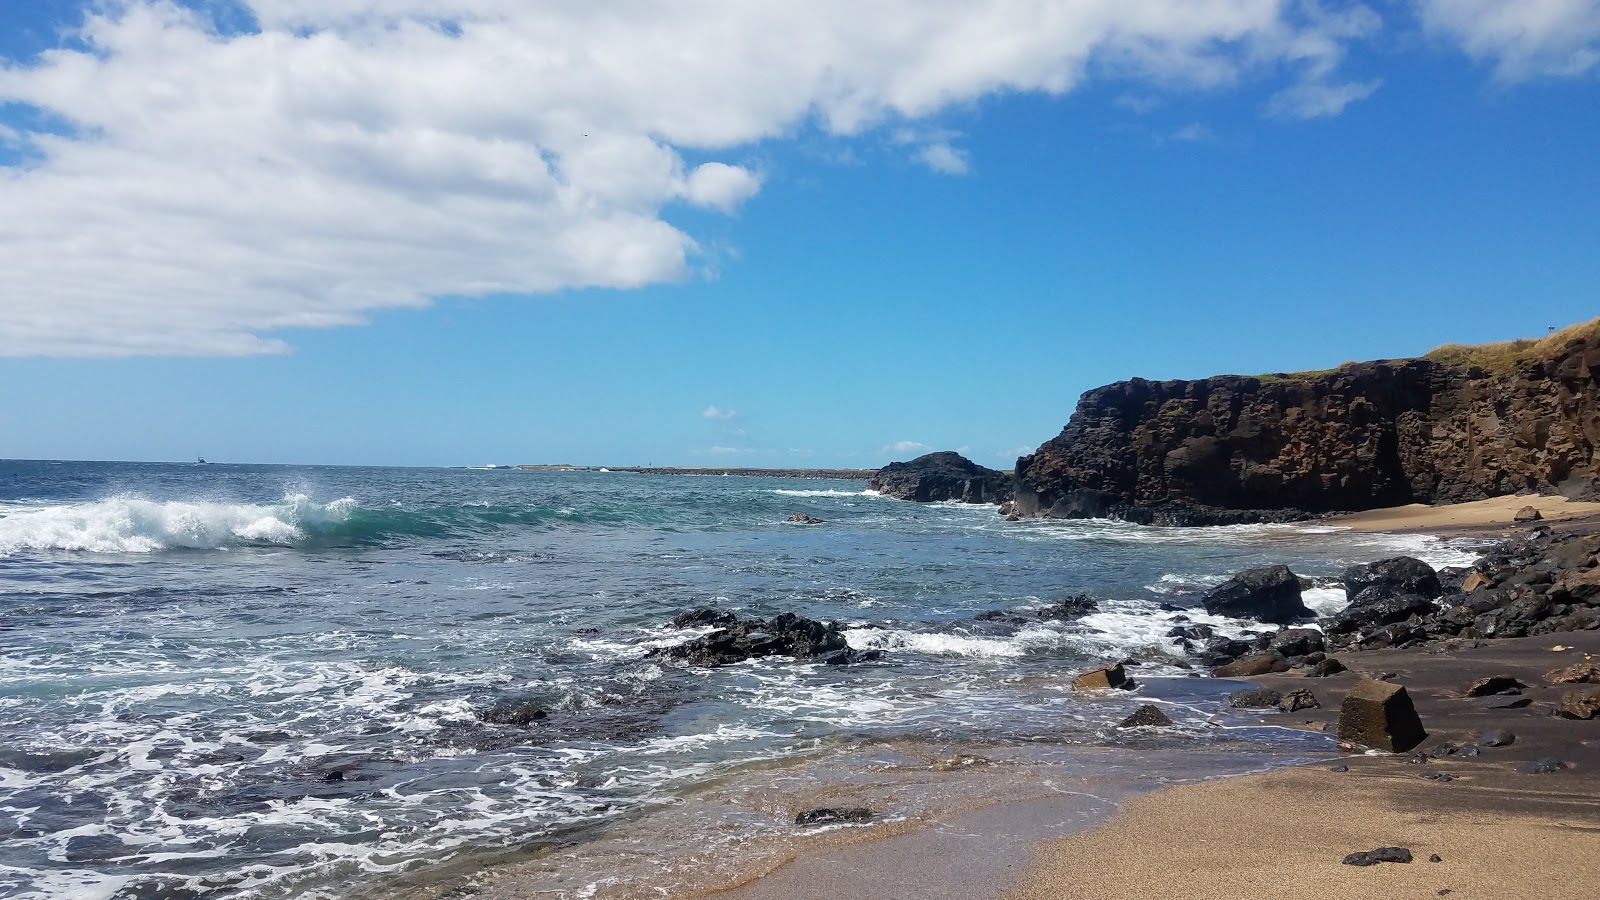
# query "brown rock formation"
(1465, 424)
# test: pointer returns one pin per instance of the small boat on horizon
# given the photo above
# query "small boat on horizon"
(201, 461)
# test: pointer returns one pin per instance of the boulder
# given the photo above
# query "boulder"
(942, 476)
(1581, 704)
(1251, 666)
(1380, 855)
(1325, 668)
(1294, 701)
(1254, 698)
(1298, 641)
(1380, 715)
(1497, 738)
(1581, 673)
(827, 815)
(1528, 514)
(784, 635)
(1400, 574)
(1375, 607)
(805, 519)
(1544, 765)
(1474, 581)
(1146, 716)
(1103, 678)
(1271, 594)
(701, 618)
(1495, 684)
(1070, 608)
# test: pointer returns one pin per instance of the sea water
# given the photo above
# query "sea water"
(264, 681)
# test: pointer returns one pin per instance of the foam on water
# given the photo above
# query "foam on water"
(787, 492)
(136, 525)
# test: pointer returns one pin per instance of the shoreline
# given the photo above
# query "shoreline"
(1281, 833)
(1495, 517)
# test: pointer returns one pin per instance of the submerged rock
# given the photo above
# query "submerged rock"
(519, 711)
(783, 635)
(1146, 716)
(1380, 715)
(805, 519)
(827, 815)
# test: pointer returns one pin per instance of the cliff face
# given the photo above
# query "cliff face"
(1249, 449)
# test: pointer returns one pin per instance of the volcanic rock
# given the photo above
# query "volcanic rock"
(826, 815)
(942, 476)
(519, 711)
(1582, 704)
(700, 618)
(1070, 608)
(784, 635)
(1497, 738)
(1400, 574)
(1325, 668)
(1271, 594)
(805, 519)
(1250, 666)
(1232, 449)
(1581, 673)
(1544, 765)
(1298, 641)
(1495, 684)
(1380, 855)
(1380, 715)
(1254, 698)
(1294, 701)
(1528, 514)
(1146, 716)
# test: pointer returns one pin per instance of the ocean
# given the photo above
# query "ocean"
(265, 681)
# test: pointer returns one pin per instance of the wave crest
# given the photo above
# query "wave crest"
(136, 525)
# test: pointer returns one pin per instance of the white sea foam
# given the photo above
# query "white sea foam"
(786, 492)
(136, 525)
(1325, 601)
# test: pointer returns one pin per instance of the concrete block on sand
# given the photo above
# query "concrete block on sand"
(1378, 714)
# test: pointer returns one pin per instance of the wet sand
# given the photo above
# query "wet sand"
(1491, 517)
(1283, 834)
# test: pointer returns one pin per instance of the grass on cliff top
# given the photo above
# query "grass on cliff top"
(1506, 356)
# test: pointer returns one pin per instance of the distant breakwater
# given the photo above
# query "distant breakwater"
(732, 471)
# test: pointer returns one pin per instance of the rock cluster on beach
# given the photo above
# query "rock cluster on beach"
(1233, 449)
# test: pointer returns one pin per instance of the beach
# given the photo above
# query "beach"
(1495, 517)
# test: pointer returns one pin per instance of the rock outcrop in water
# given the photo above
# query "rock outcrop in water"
(736, 640)
(1467, 424)
(945, 475)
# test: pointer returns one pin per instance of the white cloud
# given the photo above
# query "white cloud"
(212, 190)
(906, 447)
(944, 159)
(1523, 39)
(1193, 133)
(717, 414)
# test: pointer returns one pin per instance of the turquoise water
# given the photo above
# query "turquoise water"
(264, 681)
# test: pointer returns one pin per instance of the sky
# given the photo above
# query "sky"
(736, 232)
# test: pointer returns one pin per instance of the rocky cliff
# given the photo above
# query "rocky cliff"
(1463, 424)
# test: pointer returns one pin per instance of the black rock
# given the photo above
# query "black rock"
(334, 775)
(1070, 608)
(825, 815)
(1271, 594)
(701, 618)
(1254, 698)
(1503, 701)
(519, 711)
(1294, 701)
(1339, 769)
(1497, 738)
(1435, 858)
(1495, 684)
(1297, 641)
(1325, 668)
(1400, 574)
(1374, 607)
(1544, 765)
(942, 476)
(1146, 716)
(1380, 855)
(784, 635)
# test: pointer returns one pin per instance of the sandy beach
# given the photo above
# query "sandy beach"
(1492, 517)
(1499, 833)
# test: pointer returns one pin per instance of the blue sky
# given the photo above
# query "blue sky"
(943, 252)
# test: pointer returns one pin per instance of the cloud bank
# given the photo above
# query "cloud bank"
(190, 185)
